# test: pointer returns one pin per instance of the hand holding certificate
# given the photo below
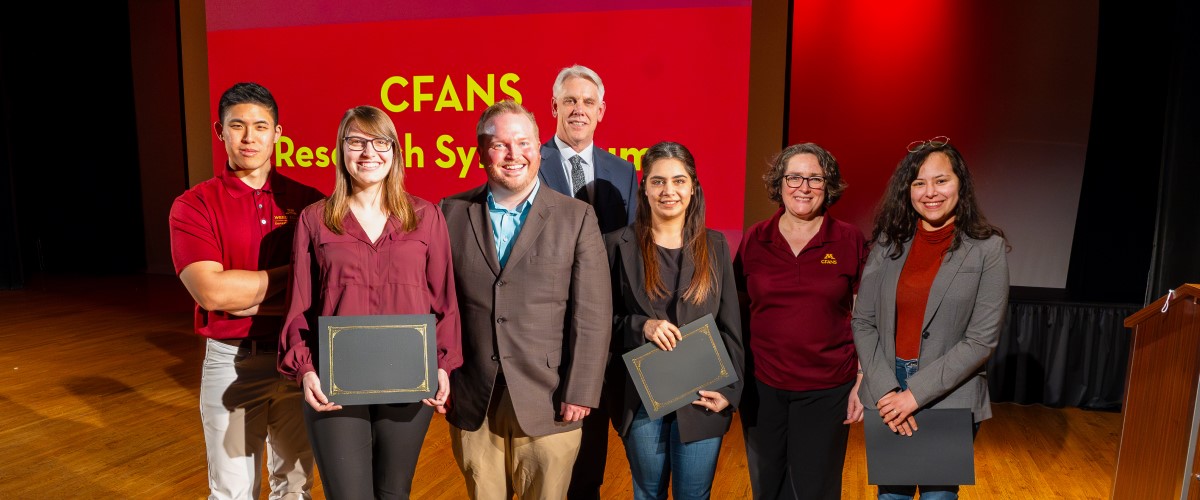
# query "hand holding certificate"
(669, 380)
(377, 359)
(940, 453)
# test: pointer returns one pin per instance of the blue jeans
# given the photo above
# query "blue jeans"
(657, 458)
(906, 368)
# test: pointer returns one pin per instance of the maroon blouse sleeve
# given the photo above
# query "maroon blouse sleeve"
(295, 357)
(439, 272)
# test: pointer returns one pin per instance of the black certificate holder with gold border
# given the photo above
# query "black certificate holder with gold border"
(377, 359)
(669, 380)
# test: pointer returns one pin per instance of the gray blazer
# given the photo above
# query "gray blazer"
(966, 309)
(544, 318)
(615, 187)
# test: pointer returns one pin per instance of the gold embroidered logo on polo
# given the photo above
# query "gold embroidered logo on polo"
(289, 215)
(829, 259)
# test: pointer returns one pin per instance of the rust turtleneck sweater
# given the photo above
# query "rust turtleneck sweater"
(912, 292)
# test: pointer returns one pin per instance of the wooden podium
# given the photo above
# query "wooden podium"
(1157, 457)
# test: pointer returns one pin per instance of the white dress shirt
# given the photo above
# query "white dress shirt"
(589, 165)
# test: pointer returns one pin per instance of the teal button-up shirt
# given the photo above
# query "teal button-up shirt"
(506, 224)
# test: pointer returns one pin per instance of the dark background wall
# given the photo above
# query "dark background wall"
(91, 148)
(1112, 248)
(72, 202)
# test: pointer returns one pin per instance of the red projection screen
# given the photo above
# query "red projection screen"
(672, 70)
(1009, 82)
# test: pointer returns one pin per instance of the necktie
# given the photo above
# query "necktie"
(578, 180)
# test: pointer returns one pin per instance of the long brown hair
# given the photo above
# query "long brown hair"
(395, 201)
(695, 236)
(896, 220)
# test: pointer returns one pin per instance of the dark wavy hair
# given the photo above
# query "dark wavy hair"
(896, 219)
(834, 185)
(695, 236)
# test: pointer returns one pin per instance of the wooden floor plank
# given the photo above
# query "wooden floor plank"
(99, 399)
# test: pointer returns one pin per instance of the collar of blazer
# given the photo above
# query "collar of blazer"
(941, 282)
(631, 261)
(554, 176)
(539, 213)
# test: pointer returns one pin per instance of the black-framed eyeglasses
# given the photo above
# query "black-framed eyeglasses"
(380, 144)
(938, 141)
(796, 180)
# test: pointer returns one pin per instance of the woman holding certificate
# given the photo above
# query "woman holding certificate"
(669, 270)
(370, 248)
(932, 299)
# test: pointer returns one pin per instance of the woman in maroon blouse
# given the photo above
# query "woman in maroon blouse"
(369, 249)
(798, 272)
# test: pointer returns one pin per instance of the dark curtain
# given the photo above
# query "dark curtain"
(1062, 354)
(1111, 248)
(11, 275)
(1176, 257)
(70, 181)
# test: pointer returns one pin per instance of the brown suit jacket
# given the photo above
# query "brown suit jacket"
(545, 319)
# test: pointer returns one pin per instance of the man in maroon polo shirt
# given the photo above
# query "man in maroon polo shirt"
(231, 240)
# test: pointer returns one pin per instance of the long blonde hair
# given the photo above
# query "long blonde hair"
(395, 202)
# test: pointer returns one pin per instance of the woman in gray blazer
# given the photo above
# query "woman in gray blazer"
(669, 270)
(932, 298)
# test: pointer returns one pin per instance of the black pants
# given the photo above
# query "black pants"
(588, 473)
(368, 451)
(796, 442)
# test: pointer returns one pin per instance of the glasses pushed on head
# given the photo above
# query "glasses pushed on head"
(938, 141)
(380, 144)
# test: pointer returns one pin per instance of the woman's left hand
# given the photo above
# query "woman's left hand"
(438, 401)
(712, 401)
(896, 408)
(854, 408)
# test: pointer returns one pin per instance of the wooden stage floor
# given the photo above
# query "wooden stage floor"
(101, 379)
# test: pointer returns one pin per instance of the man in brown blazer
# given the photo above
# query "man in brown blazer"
(533, 289)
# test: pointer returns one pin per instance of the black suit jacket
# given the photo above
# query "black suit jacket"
(632, 308)
(615, 188)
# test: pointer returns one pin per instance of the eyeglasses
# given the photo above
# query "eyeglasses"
(381, 145)
(796, 180)
(938, 141)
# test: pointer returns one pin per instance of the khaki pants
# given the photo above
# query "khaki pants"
(247, 409)
(498, 460)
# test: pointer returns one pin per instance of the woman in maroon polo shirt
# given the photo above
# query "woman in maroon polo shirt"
(933, 298)
(798, 272)
(369, 249)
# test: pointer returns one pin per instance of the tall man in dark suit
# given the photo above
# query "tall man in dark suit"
(533, 290)
(575, 167)
(607, 182)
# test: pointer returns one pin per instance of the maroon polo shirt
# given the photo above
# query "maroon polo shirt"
(800, 305)
(224, 220)
(401, 272)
